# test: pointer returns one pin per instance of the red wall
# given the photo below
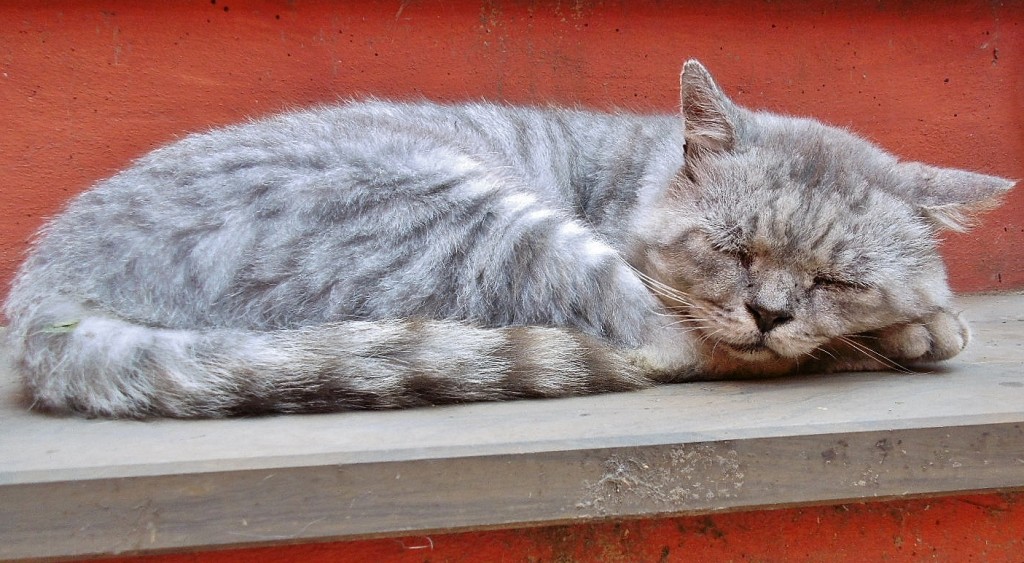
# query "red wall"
(983, 528)
(86, 86)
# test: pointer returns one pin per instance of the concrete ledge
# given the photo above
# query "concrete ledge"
(71, 487)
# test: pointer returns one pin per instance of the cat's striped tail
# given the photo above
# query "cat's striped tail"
(73, 360)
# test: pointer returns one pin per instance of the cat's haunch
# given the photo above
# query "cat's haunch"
(377, 255)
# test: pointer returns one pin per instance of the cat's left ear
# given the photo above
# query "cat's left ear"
(709, 116)
(951, 198)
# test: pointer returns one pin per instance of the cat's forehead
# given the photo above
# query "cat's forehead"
(800, 165)
(811, 150)
(805, 214)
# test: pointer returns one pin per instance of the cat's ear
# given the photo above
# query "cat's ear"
(709, 116)
(951, 198)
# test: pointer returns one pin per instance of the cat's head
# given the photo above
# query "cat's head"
(784, 233)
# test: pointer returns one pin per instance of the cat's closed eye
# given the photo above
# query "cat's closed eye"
(835, 282)
(728, 242)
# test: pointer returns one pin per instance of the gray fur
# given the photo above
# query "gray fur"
(376, 255)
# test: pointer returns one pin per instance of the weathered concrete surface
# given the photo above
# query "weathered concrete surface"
(78, 487)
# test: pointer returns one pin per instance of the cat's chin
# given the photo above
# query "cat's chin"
(743, 362)
(751, 353)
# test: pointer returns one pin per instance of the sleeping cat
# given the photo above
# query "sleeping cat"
(378, 255)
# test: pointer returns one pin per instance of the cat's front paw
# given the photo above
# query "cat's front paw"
(937, 337)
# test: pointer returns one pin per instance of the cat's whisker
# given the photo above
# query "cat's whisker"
(692, 330)
(888, 361)
(669, 296)
(688, 324)
(873, 355)
(825, 350)
(690, 318)
(660, 288)
(710, 336)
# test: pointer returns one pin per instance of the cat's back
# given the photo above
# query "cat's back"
(355, 143)
(300, 217)
(294, 146)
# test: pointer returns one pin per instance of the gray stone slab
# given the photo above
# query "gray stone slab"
(83, 487)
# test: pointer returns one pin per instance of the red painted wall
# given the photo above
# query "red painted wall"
(86, 86)
(983, 528)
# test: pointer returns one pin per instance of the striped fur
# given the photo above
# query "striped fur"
(379, 255)
(329, 367)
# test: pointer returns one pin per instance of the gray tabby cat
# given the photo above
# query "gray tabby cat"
(378, 255)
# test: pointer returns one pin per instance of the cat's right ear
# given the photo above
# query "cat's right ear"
(708, 115)
(951, 198)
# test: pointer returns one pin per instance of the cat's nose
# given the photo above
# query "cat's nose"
(767, 319)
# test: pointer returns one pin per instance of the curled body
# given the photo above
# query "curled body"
(375, 255)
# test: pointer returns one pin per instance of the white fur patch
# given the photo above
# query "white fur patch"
(517, 202)
(538, 215)
(592, 249)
